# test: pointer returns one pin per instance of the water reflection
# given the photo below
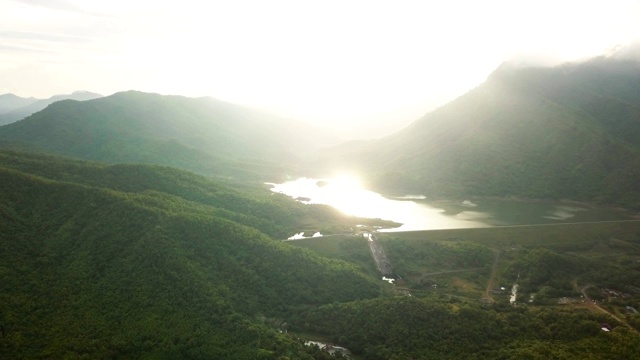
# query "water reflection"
(416, 212)
(348, 196)
(300, 236)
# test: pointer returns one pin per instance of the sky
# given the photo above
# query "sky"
(358, 67)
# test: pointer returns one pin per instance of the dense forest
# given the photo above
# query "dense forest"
(90, 271)
(435, 328)
(249, 204)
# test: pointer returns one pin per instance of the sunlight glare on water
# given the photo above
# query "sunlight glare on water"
(415, 212)
(345, 193)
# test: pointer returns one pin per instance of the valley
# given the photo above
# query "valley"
(502, 225)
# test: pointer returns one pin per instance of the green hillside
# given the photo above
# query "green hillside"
(93, 272)
(204, 135)
(566, 132)
(274, 214)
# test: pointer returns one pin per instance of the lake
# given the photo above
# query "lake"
(416, 212)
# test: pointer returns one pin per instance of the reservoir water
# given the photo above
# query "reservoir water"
(417, 212)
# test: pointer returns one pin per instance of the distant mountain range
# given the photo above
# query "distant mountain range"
(10, 102)
(571, 131)
(204, 135)
(14, 108)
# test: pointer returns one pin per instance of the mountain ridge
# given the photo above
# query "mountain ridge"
(205, 135)
(10, 102)
(564, 132)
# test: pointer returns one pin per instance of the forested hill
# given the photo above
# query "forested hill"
(199, 134)
(274, 214)
(571, 131)
(96, 264)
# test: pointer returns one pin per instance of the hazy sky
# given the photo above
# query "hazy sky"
(339, 63)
